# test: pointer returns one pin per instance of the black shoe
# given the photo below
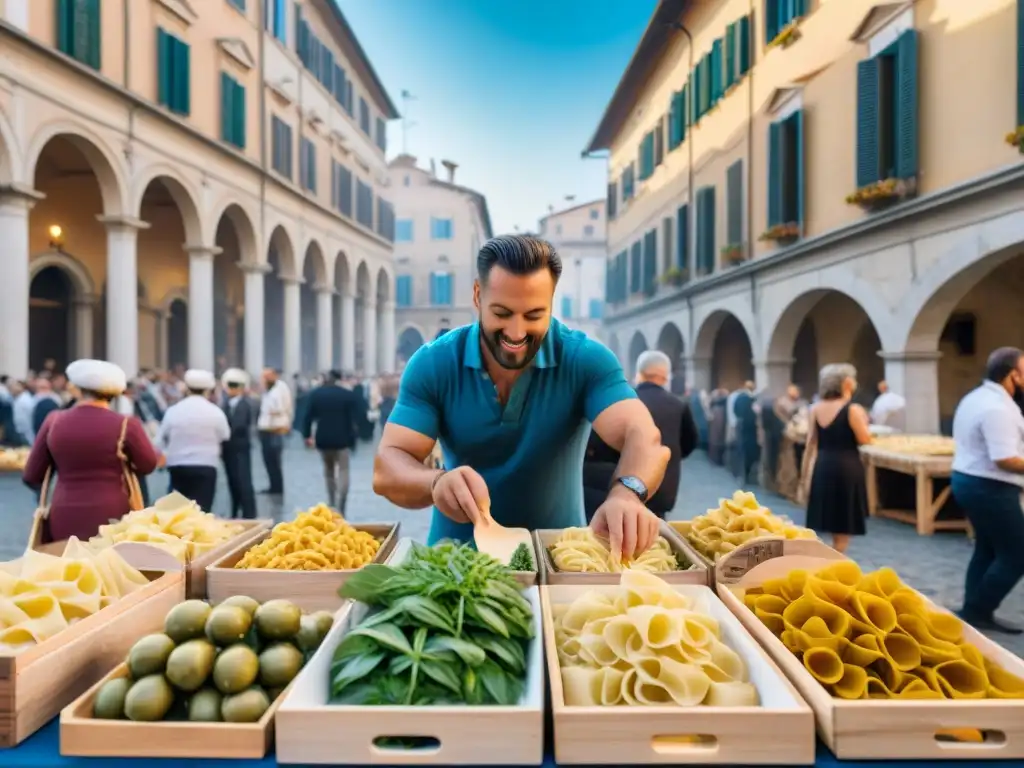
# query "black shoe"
(271, 492)
(990, 624)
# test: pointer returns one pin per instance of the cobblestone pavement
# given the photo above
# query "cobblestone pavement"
(935, 565)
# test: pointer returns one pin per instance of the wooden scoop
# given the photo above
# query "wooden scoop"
(496, 540)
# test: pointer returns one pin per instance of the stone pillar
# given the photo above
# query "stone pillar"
(200, 306)
(348, 332)
(773, 375)
(85, 324)
(253, 318)
(915, 376)
(15, 204)
(324, 331)
(123, 291)
(386, 344)
(698, 373)
(292, 327)
(369, 338)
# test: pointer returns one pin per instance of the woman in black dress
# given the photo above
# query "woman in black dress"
(838, 500)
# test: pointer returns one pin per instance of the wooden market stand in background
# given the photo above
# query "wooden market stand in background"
(925, 470)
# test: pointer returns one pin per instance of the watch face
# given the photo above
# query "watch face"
(636, 485)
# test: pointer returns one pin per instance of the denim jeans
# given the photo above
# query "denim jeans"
(994, 509)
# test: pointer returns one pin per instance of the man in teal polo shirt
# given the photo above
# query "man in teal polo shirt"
(511, 399)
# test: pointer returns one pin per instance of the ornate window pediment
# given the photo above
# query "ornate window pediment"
(876, 18)
(181, 8)
(236, 48)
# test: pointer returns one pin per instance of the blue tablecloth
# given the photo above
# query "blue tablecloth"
(43, 751)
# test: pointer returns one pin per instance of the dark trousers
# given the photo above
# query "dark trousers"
(238, 468)
(994, 509)
(196, 483)
(273, 445)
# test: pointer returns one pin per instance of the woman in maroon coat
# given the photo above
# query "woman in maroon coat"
(85, 446)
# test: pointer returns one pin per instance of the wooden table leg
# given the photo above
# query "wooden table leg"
(871, 480)
(925, 489)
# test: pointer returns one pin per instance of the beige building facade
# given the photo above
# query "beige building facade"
(799, 182)
(439, 228)
(578, 234)
(192, 182)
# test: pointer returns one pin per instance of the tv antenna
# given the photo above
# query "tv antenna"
(406, 122)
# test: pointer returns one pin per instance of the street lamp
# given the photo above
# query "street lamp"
(56, 236)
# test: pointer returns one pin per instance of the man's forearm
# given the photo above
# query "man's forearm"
(643, 456)
(402, 480)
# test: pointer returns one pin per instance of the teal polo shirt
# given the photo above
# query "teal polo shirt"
(530, 452)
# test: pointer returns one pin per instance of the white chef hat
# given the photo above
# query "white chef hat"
(97, 376)
(196, 379)
(234, 377)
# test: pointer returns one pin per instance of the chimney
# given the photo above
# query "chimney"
(450, 167)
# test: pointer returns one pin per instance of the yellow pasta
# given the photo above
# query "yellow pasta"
(734, 523)
(318, 539)
(869, 636)
(578, 550)
(174, 524)
(41, 594)
(646, 645)
(915, 445)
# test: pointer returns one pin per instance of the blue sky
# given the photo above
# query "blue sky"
(511, 90)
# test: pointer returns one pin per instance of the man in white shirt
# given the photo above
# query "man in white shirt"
(889, 408)
(987, 481)
(275, 421)
(190, 435)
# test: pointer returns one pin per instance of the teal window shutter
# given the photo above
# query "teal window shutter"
(163, 68)
(717, 71)
(92, 53)
(183, 76)
(906, 106)
(227, 108)
(682, 236)
(798, 171)
(1020, 62)
(867, 122)
(774, 174)
(65, 26)
(709, 229)
(635, 268)
(734, 203)
(799, 8)
(684, 112)
(730, 55)
(239, 113)
(771, 19)
(650, 258)
(744, 45)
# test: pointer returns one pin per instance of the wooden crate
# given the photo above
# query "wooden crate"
(879, 729)
(310, 590)
(778, 732)
(146, 557)
(550, 575)
(81, 735)
(37, 683)
(312, 732)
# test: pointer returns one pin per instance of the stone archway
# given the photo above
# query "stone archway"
(364, 296)
(409, 340)
(281, 260)
(637, 346)
(385, 323)
(177, 334)
(615, 346)
(61, 302)
(670, 341)
(724, 345)
(343, 314)
(314, 282)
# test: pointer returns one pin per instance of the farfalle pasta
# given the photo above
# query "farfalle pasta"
(869, 636)
(734, 523)
(646, 645)
(316, 540)
(578, 550)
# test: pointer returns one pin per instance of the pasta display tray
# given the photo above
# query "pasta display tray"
(699, 573)
(778, 730)
(310, 590)
(877, 728)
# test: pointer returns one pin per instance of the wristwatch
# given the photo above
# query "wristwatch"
(634, 484)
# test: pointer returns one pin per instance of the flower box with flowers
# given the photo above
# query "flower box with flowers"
(675, 276)
(788, 35)
(879, 194)
(732, 254)
(783, 234)
(1015, 138)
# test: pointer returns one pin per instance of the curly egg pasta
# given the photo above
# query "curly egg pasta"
(734, 523)
(578, 550)
(869, 636)
(316, 540)
(646, 645)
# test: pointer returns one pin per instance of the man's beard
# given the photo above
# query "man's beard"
(506, 359)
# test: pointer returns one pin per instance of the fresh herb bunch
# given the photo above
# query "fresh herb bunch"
(452, 629)
(521, 560)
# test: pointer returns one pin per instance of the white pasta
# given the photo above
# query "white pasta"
(646, 645)
(578, 550)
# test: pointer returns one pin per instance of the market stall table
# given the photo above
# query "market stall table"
(43, 751)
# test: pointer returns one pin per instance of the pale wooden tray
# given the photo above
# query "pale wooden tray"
(312, 732)
(82, 735)
(879, 729)
(550, 575)
(778, 732)
(310, 590)
(37, 683)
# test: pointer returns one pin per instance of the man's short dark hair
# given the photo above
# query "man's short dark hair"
(1001, 363)
(519, 254)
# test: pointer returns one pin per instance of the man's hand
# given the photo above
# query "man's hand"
(460, 494)
(630, 527)
(309, 442)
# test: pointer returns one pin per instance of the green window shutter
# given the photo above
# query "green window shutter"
(798, 172)
(709, 227)
(240, 116)
(684, 112)
(635, 268)
(799, 8)
(697, 99)
(744, 45)
(93, 56)
(771, 17)
(65, 25)
(867, 122)
(734, 203)
(682, 236)
(163, 68)
(774, 174)
(650, 263)
(227, 104)
(730, 55)
(706, 86)
(1020, 62)
(717, 71)
(906, 106)
(183, 77)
